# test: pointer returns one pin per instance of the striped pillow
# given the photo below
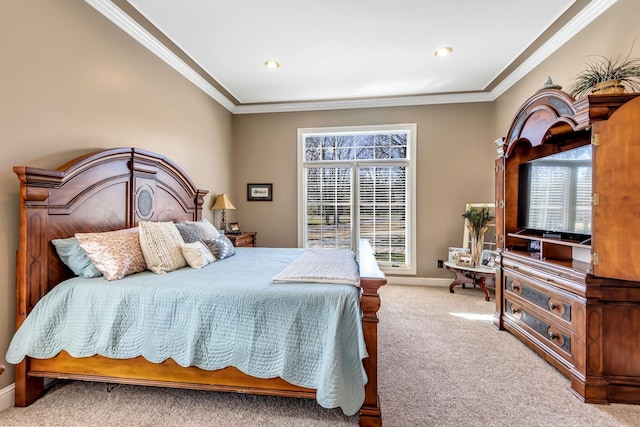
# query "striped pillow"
(221, 247)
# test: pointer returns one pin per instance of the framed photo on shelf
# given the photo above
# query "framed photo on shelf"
(464, 259)
(453, 253)
(488, 258)
(533, 246)
(234, 228)
(260, 192)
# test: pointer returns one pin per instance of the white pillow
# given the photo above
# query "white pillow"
(209, 230)
(161, 245)
(197, 254)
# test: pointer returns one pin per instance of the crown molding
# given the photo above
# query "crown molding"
(400, 101)
(573, 27)
(135, 30)
(131, 27)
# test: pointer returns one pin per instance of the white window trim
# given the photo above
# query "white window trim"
(411, 129)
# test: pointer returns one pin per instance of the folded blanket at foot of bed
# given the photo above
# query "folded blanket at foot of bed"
(322, 266)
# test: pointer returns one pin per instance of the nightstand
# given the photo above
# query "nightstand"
(247, 239)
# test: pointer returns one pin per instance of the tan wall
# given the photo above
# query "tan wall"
(71, 83)
(455, 154)
(612, 34)
(455, 145)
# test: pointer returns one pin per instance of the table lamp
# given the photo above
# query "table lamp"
(222, 203)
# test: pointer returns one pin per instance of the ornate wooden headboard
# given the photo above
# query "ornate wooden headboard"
(102, 191)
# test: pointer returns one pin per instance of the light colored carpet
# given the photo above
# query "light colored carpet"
(442, 363)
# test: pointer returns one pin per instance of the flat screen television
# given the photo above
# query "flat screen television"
(554, 195)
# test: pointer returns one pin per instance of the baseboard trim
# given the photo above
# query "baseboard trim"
(8, 397)
(418, 281)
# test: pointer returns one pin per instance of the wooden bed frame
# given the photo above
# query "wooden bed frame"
(114, 189)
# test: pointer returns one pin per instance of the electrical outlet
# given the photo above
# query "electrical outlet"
(440, 263)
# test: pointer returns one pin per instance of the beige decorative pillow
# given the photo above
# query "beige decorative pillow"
(115, 254)
(160, 243)
(209, 230)
(197, 254)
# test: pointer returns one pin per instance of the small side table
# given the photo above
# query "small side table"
(246, 239)
(475, 275)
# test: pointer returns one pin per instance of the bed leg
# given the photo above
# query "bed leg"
(370, 414)
(28, 389)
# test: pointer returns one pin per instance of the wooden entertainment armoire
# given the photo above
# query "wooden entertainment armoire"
(577, 304)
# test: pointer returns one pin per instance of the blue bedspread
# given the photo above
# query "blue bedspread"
(226, 314)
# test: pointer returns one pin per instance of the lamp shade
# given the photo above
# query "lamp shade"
(222, 202)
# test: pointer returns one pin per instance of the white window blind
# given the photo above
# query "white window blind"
(382, 193)
(358, 182)
(583, 200)
(560, 197)
(328, 207)
(550, 196)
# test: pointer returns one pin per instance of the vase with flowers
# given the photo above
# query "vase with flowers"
(477, 220)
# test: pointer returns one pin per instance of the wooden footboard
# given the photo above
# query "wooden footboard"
(101, 192)
(31, 372)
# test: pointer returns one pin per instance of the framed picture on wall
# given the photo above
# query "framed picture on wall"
(260, 192)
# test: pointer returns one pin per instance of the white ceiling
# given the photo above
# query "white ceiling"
(356, 52)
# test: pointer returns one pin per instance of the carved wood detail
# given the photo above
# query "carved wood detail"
(580, 316)
(114, 189)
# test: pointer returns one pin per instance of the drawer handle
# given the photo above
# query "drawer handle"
(549, 280)
(553, 306)
(516, 287)
(553, 336)
(515, 310)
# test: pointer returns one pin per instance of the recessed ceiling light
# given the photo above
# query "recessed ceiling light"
(271, 64)
(443, 51)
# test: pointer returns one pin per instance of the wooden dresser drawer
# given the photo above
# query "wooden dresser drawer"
(244, 241)
(558, 338)
(557, 278)
(550, 301)
(247, 239)
(542, 309)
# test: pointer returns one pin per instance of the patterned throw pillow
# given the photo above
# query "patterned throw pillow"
(115, 254)
(190, 232)
(197, 254)
(208, 229)
(221, 247)
(74, 257)
(161, 245)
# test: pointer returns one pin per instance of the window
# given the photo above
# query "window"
(359, 182)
